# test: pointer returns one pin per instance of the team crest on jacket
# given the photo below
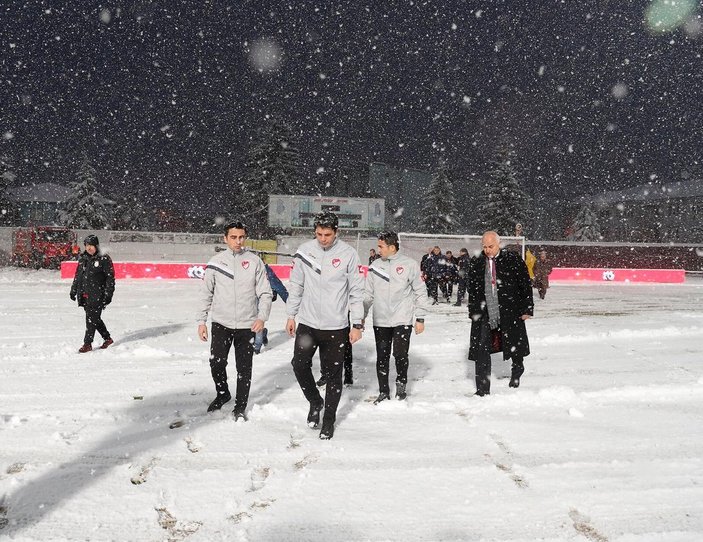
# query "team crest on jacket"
(400, 269)
(336, 262)
(245, 264)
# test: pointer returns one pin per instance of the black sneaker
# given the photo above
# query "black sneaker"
(239, 415)
(381, 397)
(314, 414)
(400, 391)
(220, 400)
(321, 382)
(327, 431)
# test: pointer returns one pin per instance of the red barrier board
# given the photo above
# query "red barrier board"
(169, 271)
(618, 275)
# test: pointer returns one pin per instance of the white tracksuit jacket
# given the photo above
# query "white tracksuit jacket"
(396, 292)
(235, 290)
(325, 286)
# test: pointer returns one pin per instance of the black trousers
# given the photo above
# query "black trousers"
(333, 346)
(541, 288)
(222, 340)
(93, 322)
(447, 286)
(483, 361)
(461, 290)
(396, 339)
(348, 361)
(431, 285)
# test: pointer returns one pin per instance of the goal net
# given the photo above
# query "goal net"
(415, 245)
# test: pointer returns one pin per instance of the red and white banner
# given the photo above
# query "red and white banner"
(618, 275)
(169, 271)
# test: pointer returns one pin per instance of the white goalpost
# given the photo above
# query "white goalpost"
(415, 245)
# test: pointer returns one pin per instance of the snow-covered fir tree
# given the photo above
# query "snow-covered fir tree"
(502, 203)
(272, 166)
(7, 176)
(439, 212)
(130, 214)
(85, 208)
(585, 226)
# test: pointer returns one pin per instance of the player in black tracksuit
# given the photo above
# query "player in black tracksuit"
(93, 286)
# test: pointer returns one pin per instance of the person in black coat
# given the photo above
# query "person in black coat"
(462, 264)
(93, 286)
(435, 268)
(500, 300)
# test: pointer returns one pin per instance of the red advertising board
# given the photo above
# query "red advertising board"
(169, 271)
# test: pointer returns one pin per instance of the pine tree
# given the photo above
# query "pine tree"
(85, 208)
(585, 226)
(439, 213)
(271, 166)
(130, 214)
(502, 203)
(7, 176)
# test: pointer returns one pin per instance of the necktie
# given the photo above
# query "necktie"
(493, 272)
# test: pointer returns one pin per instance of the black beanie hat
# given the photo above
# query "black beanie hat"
(91, 240)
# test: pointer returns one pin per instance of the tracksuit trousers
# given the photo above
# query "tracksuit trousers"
(222, 340)
(396, 339)
(332, 345)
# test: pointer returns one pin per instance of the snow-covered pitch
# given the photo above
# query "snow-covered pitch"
(603, 441)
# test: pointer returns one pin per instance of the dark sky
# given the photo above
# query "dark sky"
(164, 94)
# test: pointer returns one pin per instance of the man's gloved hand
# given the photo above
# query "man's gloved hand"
(72, 295)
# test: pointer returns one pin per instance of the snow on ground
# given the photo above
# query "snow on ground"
(602, 442)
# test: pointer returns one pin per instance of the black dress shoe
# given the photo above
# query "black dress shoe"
(482, 393)
(381, 397)
(220, 400)
(514, 383)
(400, 392)
(327, 431)
(314, 414)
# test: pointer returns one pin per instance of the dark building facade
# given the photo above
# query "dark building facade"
(38, 204)
(670, 213)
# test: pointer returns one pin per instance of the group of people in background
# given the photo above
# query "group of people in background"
(441, 272)
(327, 303)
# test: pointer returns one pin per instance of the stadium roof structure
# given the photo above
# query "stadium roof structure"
(43, 192)
(651, 192)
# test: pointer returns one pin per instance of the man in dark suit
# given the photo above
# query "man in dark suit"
(500, 300)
